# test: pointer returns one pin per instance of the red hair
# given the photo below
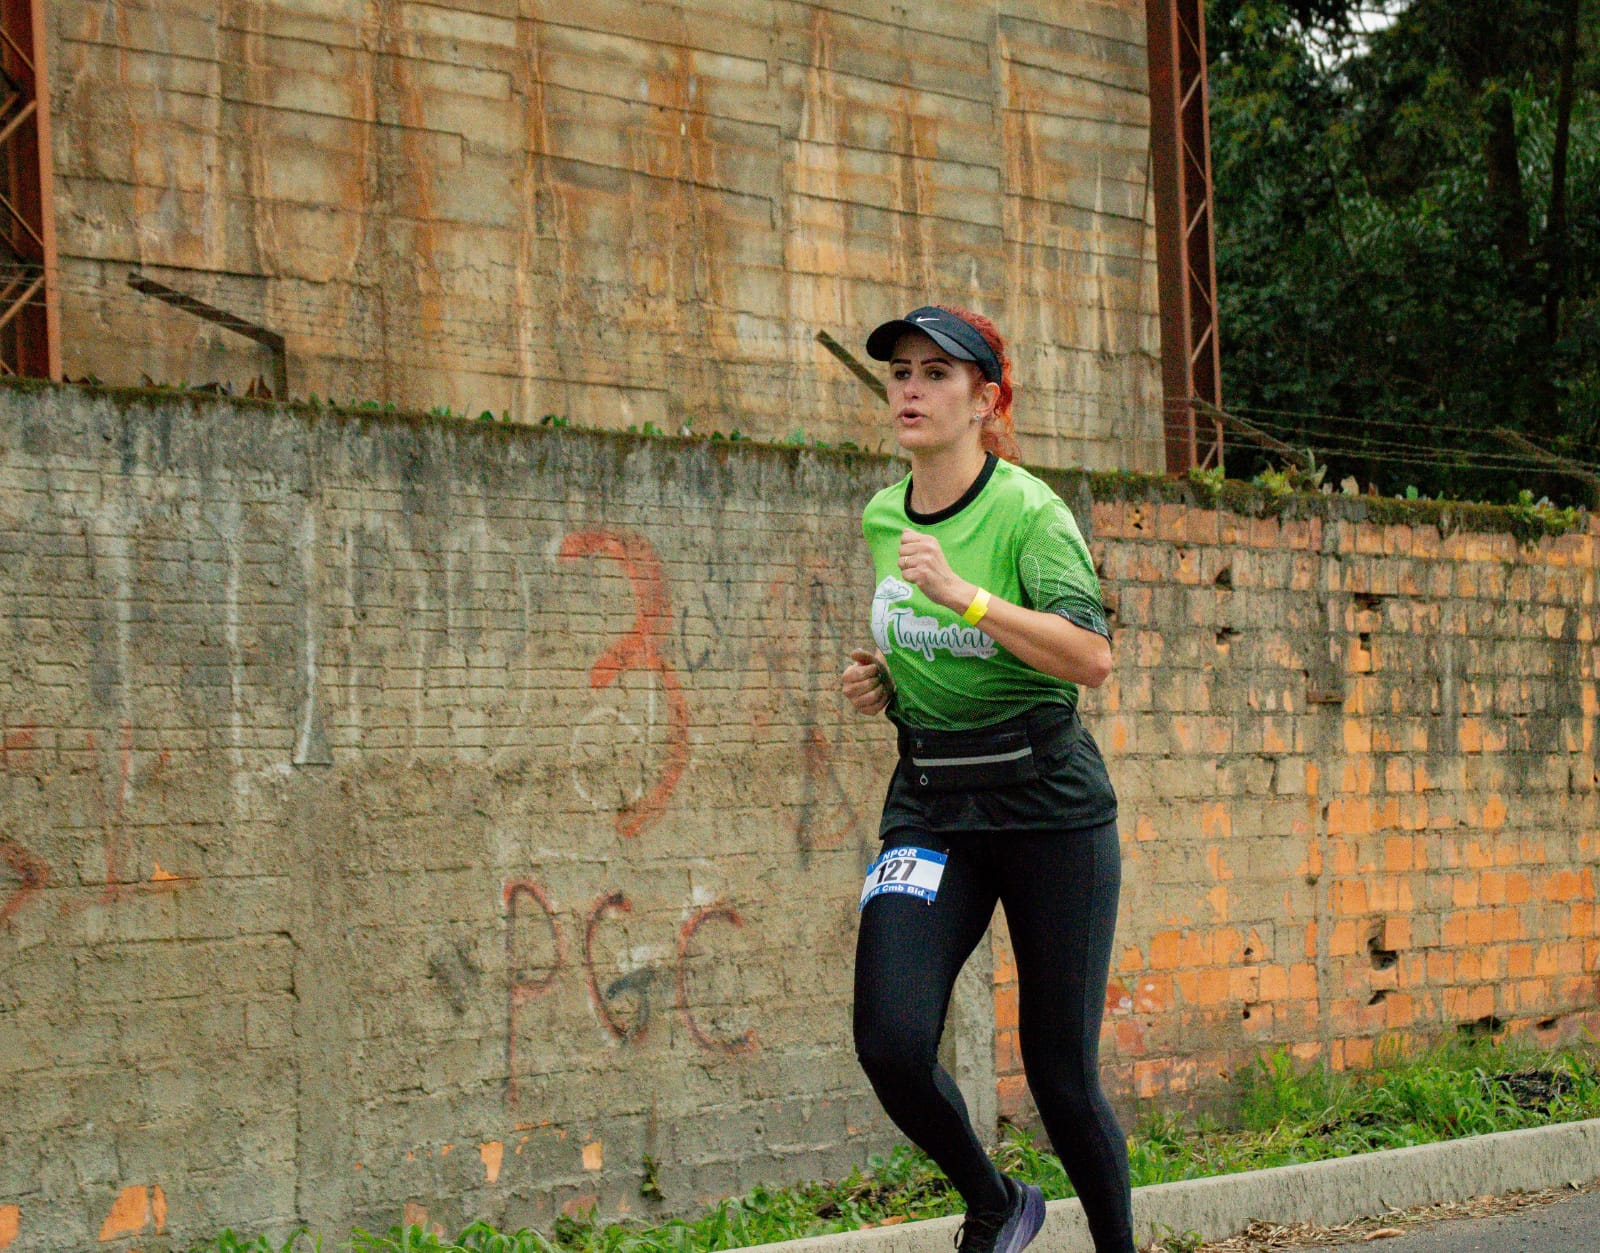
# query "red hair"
(997, 436)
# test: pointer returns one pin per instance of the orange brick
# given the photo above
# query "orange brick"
(1213, 987)
(1130, 1039)
(1480, 926)
(1344, 940)
(1152, 994)
(1302, 980)
(1148, 1078)
(1397, 853)
(1533, 994)
(1507, 924)
(1396, 933)
(1399, 1010)
(1274, 983)
(1005, 1008)
(1165, 947)
(1358, 1052)
(1012, 1093)
(1357, 776)
(1196, 949)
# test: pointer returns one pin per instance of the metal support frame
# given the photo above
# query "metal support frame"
(269, 339)
(1180, 149)
(30, 317)
(871, 380)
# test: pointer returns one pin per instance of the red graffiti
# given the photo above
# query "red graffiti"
(608, 906)
(827, 813)
(640, 650)
(32, 871)
(525, 990)
(746, 1043)
(16, 750)
(639, 984)
(113, 829)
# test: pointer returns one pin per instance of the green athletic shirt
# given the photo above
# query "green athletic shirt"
(1010, 534)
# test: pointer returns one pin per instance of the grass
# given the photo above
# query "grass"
(1286, 1114)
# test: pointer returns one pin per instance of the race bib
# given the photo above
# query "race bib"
(906, 871)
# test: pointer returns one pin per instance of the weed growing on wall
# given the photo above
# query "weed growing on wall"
(1287, 1113)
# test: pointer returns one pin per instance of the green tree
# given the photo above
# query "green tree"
(1409, 233)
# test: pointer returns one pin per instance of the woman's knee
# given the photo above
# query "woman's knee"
(1068, 1092)
(891, 1049)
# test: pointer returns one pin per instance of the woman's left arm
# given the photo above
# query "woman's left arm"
(1045, 641)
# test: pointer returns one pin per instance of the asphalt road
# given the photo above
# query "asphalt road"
(1571, 1226)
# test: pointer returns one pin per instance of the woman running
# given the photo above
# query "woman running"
(987, 620)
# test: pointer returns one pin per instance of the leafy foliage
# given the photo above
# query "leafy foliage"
(1399, 247)
(1287, 1113)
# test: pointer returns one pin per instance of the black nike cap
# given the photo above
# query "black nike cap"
(956, 336)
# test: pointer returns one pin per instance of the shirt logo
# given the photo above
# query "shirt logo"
(895, 626)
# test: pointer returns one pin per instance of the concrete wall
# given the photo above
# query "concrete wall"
(446, 815)
(622, 211)
(415, 812)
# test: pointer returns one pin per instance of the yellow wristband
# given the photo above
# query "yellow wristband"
(978, 607)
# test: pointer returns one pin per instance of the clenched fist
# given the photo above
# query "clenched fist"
(922, 562)
(865, 682)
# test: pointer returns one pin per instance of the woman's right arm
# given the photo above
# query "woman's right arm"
(866, 682)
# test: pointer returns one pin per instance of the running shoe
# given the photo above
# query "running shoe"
(1009, 1231)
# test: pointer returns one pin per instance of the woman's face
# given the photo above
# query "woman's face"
(933, 396)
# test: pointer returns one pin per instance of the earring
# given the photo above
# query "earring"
(977, 417)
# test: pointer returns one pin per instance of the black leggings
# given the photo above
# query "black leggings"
(1059, 890)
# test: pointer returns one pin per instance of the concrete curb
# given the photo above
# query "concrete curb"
(1328, 1192)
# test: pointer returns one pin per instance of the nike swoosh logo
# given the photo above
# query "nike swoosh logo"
(924, 319)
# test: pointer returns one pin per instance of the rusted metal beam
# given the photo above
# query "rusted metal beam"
(1180, 160)
(1253, 434)
(855, 367)
(30, 314)
(272, 340)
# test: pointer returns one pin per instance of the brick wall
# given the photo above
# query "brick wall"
(1357, 761)
(450, 816)
(620, 211)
